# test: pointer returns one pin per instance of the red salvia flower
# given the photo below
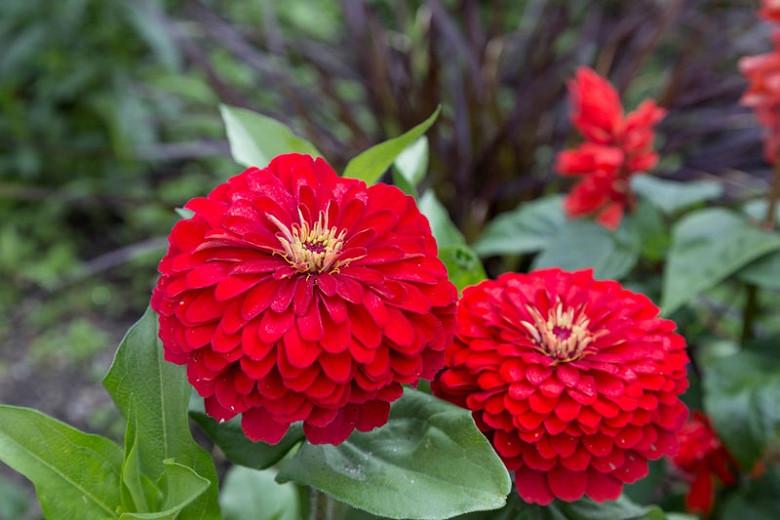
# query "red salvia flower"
(763, 94)
(770, 10)
(295, 295)
(574, 381)
(703, 458)
(616, 147)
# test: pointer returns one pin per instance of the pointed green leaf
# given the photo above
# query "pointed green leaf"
(255, 139)
(764, 272)
(240, 450)
(370, 164)
(463, 266)
(428, 461)
(255, 495)
(160, 395)
(528, 228)
(707, 247)
(180, 486)
(134, 492)
(76, 475)
(412, 163)
(671, 197)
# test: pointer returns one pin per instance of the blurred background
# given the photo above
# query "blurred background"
(109, 120)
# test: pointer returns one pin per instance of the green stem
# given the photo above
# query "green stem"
(321, 506)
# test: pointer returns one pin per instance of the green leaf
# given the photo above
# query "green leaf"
(444, 230)
(582, 244)
(647, 223)
(255, 139)
(429, 461)
(136, 496)
(707, 247)
(755, 500)
(370, 164)
(756, 211)
(240, 450)
(671, 197)
(76, 475)
(255, 495)
(463, 265)
(621, 509)
(412, 163)
(528, 228)
(159, 393)
(741, 396)
(764, 272)
(180, 486)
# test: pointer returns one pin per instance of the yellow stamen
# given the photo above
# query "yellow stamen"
(564, 334)
(310, 248)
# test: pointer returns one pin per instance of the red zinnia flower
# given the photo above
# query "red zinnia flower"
(574, 381)
(703, 458)
(616, 147)
(295, 295)
(770, 10)
(763, 94)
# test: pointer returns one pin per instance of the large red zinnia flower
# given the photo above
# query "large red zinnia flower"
(295, 295)
(703, 458)
(574, 381)
(763, 94)
(616, 147)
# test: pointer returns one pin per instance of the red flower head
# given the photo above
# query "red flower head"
(702, 457)
(616, 147)
(763, 94)
(770, 10)
(295, 295)
(574, 381)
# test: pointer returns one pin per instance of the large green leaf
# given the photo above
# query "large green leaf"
(255, 139)
(671, 197)
(158, 392)
(180, 487)
(429, 461)
(76, 475)
(240, 450)
(528, 228)
(370, 164)
(248, 494)
(707, 247)
(581, 244)
(741, 395)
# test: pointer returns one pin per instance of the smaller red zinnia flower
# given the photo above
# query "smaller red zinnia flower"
(763, 94)
(770, 10)
(703, 458)
(574, 381)
(616, 147)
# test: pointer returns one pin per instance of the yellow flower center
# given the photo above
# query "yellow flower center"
(310, 248)
(563, 335)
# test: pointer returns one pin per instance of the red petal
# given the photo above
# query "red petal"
(532, 486)
(300, 353)
(567, 485)
(603, 487)
(259, 425)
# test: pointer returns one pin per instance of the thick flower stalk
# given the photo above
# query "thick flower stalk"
(574, 381)
(763, 94)
(616, 148)
(295, 295)
(703, 459)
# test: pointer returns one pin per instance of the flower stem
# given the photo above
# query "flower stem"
(320, 506)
